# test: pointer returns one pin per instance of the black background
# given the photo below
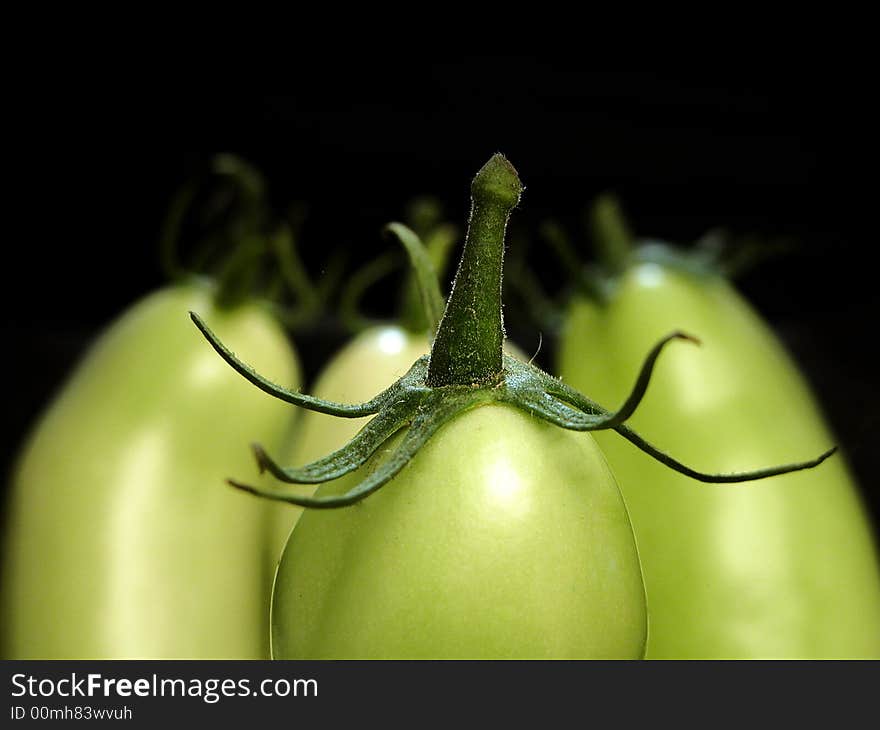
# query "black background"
(780, 151)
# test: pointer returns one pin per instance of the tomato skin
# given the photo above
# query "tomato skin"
(503, 537)
(778, 568)
(123, 540)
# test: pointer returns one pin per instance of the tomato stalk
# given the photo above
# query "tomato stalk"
(466, 369)
(468, 347)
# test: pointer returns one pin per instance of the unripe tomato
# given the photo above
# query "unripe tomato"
(503, 537)
(783, 567)
(123, 540)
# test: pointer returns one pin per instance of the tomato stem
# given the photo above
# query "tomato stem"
(467, 348)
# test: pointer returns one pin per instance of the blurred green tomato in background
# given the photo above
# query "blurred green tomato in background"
(779, 568)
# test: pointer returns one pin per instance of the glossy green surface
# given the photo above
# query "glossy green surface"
(123, 540)
(783, 567)
(504, 537)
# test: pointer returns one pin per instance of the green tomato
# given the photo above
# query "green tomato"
(123, 540)
(783, 567)
(503, 537)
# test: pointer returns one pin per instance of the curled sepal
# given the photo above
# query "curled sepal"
(605, 419)
(554, 401)
(351, 456)
(427, 419)
(745, 476)
(319, 405)
(553, 410)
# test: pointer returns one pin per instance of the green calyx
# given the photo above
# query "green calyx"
(716, 254)
(418, 405)
(231, 235)
(617, 248)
